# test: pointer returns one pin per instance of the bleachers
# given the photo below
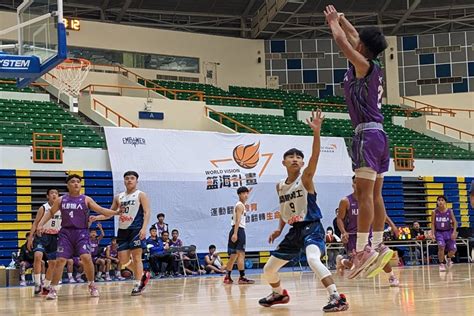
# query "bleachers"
(22, 192)
(20, 119)
(10, 86)
(425, 147)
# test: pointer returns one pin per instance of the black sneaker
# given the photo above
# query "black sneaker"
(38, 289)
(136, 290)
(336, 304)
(275, 298)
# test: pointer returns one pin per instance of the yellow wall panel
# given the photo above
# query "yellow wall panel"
(464, 212)
(434, 185)
(465, 224)
(462, 186)
(23, 182)
(23, 190)
(22, 234)
(463, 205)
(23, 208)
(24, 217)
(435, 192)
(428, 179)
(431, 206)
(430, 198)
(15, 226)
(78, 172)
(461, 179)
(22, 173)
(23, 199)
(464, 218)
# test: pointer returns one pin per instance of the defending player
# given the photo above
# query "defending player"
(73, 237)
(299, 209)
(132, 228)
(363, 89)
(46, 243)
(236, 243)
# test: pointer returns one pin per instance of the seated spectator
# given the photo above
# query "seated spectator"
(26, 259)
(332, 253)
(176, 242)
(213, 261)
(99, 262)
(159, 254)
(191, 262)
(161, 226)
(417, 232)
(111, 259)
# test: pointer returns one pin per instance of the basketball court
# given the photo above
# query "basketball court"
(422, 291)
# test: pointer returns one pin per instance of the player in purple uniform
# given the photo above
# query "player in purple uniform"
(347, 223)
(111, 257)
(444, 227)
(74, 236)
(363, 88)
(97, 260)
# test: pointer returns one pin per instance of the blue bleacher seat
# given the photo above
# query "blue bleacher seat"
(97, 174)
(445, 179)
(7, 173)
(7, 182)
(7, 191)
(8, 235)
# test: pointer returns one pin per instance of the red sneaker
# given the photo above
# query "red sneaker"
(228, 280)
(275, 298)
(244, 280)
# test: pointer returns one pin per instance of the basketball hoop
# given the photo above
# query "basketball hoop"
(71, 74)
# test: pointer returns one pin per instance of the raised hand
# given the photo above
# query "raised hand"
(331, 14)
(316, 120)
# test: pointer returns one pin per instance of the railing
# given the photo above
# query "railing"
(404, 158)
(35, 84)
(47, 148)
(449, 128)
(428, 108)
(222, 98)
(95, 88)
(236, 123)
(109, 112)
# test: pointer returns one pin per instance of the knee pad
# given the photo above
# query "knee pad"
(313, 254)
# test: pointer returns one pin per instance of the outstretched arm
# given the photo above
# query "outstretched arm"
(99, 238)
(350, 31)
(360, 63)
(91, 204)
(315, 123)
(114, 206)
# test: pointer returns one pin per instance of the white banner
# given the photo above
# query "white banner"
(192, 177)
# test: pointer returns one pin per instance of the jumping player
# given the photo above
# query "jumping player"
(363, 89)
(444, 225)
(237, 239)
(132, 228)
(347, 223)
(74, 236)
(298, 208)
(46, 243)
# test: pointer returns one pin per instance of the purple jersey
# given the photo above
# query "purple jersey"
(350, 220)
(364, 95)
(177, 243)
(74, 212)
(443, 220)
(94, 247)
(113, 251)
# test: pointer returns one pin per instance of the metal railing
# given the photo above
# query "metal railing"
(447, 128)
(109, 114)
(222, 117)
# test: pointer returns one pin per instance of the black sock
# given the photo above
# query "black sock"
(229, 273)
(242, 273)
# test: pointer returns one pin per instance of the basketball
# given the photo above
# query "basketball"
(247, 156)
(126, 273)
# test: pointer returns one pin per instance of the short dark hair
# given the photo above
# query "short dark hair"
(330, 228)
(131, 173)
(442, 197)
(73, 176)
(175, 230)
(153, 228)
(51, 189)
(373, 39)
(165, 232)
(293, 151)
(113, 238)
(212, 247)
(160, 215)
(242, 190)
(27, 234)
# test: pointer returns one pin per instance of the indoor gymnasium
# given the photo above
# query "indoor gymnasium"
(239, 157)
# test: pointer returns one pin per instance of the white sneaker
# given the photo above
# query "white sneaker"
(393, 281)
(71, 280)
(23, 283)
(442, 267)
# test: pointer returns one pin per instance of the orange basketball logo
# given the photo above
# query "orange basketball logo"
(247, 156)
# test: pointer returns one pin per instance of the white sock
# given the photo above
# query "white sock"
(332, 290)
(46, 283)
(377, 239)
(98, 274)
(55, 287)
(78, 275)
(117, 273)
(362, 240)
(137, 282)
(43, 276)
(22, 277)
(278, 290)
(91, 283)
(69, 275)
(37, 279)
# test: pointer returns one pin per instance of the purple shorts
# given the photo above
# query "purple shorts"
(370, 149)
(73, 243)
(443, 238)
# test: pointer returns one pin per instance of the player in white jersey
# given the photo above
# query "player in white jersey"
(47, 243)
(237, 239)
(132, 228)
(299, 209)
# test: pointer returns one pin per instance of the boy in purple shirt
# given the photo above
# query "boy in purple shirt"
(444, 225)
(363, 88)
(74, 234)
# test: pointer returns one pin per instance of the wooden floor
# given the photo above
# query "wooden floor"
(423, 291)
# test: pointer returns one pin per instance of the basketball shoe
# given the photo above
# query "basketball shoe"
(336, 304)
(362, 260)
(275, 298)
(384, 256)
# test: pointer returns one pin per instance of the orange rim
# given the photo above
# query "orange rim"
(74, 63)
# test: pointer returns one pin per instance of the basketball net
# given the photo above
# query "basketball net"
(71, 74)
